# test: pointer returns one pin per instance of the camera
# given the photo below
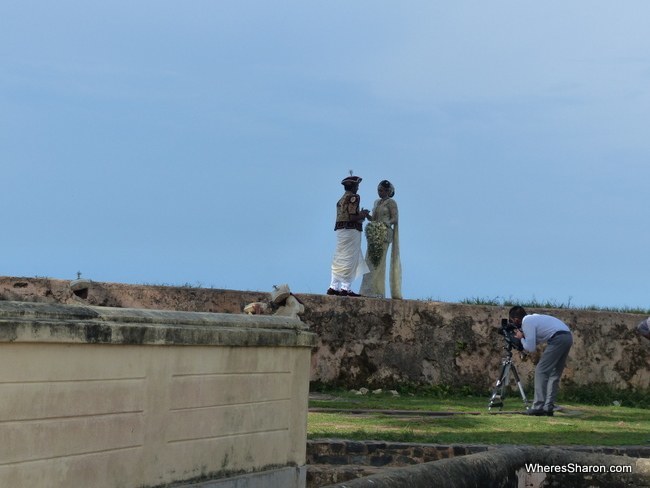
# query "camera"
(507, 330)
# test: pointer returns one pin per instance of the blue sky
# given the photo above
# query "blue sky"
(203, 142)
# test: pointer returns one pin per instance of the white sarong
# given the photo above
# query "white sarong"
(348, 263)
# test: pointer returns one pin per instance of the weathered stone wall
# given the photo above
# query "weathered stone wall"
(382, 343)
(118, 397)
(385, 453)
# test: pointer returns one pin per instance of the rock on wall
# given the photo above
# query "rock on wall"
(381, 343)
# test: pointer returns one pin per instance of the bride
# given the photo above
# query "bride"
(381, 233)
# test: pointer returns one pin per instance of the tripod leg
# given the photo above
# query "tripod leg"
(506, 380)
(498, 392)
(519, 385)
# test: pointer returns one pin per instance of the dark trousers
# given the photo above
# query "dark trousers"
(549, 370)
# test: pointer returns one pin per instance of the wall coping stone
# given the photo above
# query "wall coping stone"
(86, 324)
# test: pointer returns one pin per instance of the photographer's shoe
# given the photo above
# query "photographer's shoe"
(536, 412)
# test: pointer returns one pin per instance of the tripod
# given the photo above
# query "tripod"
(501, 386)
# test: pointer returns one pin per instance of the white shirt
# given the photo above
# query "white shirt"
(539, 328)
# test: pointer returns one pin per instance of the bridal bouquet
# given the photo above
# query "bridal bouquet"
(376, 233)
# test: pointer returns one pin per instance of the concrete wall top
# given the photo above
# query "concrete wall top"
(55, 322)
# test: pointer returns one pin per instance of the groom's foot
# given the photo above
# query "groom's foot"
(349, 293)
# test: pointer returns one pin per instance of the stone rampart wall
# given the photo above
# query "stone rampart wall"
(382, 343)
(384, 453)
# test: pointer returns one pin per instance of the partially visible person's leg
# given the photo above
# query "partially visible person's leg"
(542, 373)
(559, 352)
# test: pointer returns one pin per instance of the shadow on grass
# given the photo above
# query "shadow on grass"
(591, 428)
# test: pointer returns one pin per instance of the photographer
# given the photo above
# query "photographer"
(537, 329)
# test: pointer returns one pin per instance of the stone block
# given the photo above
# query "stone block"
(382, 460)
(356, 447)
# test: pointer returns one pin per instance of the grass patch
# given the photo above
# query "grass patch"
(534, 303)
(604, 395)
(579, 424)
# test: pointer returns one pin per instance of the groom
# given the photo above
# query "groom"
(348, 263)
